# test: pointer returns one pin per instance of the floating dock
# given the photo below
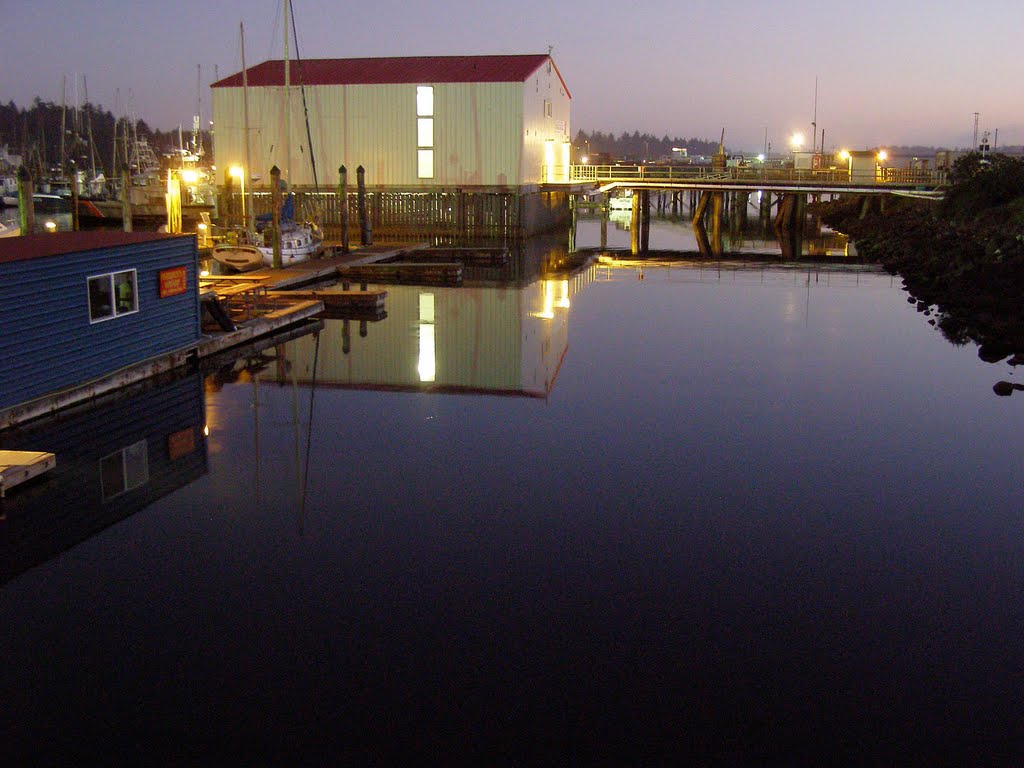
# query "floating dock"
(18, 466)
(405, 272)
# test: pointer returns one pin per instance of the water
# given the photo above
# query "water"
(719, 513)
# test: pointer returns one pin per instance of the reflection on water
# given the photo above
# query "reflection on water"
(113, 460)
(678, 234)
(748, 514)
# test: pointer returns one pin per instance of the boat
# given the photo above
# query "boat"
(239, 256)
(621, 203)
(299, 242)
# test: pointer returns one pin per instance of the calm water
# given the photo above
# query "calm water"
(623, 516)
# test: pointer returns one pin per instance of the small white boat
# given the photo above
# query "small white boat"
(239, 256)
(299, 243)
(621, 203)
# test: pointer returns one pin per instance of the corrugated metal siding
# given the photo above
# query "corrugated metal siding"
(477, 133)
(49, 343)
(478, 333)
(543, 85)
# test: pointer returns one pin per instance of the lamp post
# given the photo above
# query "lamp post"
(237, 173)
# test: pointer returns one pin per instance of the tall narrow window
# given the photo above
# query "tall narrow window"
(425, 131)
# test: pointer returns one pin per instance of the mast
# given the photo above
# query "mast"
(63, 123)
(814, 122)
(88, 126)
(248, 166)
(287, 103)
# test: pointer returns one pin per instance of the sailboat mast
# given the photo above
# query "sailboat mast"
(287, 103)
(248, 160)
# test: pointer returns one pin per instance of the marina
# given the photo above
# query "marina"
(391, 414)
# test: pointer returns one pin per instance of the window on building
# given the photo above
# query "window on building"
(547, 108)
(425, 168)
(425, 131)
(112, 295)
(425, 101)
(124, 470)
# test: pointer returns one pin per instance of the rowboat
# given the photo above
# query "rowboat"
(238, 256)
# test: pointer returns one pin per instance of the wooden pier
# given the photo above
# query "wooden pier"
(18, 466)
(405, 273)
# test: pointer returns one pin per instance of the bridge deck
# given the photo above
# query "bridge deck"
(752, 178)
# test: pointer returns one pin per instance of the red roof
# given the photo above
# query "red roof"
(55, 244)
(404, 69)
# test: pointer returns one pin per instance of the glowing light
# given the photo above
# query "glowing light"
(190, 177)
(51, 226)
(584, 159)
(797, 140)
(236, 171)
(206, 430)
(427, 363)
(205, 273)
(549, 160)
(844, 154)
(760, 158)
(201, 226)
(882, 155)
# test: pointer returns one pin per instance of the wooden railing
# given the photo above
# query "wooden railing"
(682, 174)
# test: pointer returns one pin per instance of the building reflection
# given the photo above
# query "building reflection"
(118, 455)
(113, 460)
(503, 332)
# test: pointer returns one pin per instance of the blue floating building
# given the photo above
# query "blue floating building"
(86, 312)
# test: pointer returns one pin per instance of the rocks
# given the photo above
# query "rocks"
(1006, 388)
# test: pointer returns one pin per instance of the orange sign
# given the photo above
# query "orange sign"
(172, 282)
(181, 443)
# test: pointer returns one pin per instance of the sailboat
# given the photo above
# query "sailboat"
(299, 241)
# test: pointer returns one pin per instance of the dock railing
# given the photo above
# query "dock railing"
(756, 173)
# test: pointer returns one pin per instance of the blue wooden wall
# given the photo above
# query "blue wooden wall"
(46, 340)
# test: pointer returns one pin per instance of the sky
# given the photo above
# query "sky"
(890, 73)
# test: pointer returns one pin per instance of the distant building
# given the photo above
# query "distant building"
(81, 306)
(478, 124)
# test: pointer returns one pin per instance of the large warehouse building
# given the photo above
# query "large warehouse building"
(477, 124)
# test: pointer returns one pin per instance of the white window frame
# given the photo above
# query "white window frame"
(132, 477)
(425, 131)
(114, 311)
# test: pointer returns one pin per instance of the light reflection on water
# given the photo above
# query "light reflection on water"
(720, 510)
(677, 234)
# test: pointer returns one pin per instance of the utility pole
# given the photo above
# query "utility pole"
(974, 148)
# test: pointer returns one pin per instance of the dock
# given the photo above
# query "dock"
(18, 466)
(333, 299)
(405, 273)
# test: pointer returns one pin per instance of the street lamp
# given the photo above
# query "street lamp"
(236, 172)
(796, 141)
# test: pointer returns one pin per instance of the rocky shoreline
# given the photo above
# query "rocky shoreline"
(961, 259)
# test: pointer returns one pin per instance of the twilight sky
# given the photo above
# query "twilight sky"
(893, 72)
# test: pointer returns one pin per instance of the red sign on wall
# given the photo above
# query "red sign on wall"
(172, 282)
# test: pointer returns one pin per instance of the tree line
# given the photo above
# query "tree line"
(638, 146)
(88, 134)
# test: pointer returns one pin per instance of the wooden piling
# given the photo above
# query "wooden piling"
(343, 206)
(74, 197)
(126, 198)
(275, 203)
(645, 221)
(634, 225)
(365, 233)
(25, 201)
